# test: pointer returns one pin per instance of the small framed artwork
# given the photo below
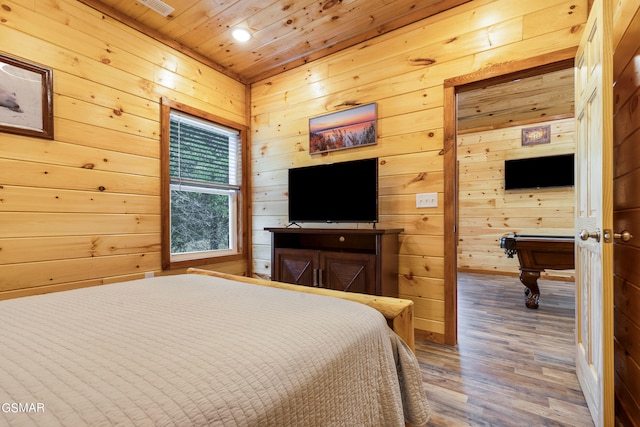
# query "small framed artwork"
(26, 98)
(350, 128)
(536, 135)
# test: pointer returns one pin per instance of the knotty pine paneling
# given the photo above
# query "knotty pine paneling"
(403, 72)
(84, 209)
(525, 100)
(487, 211)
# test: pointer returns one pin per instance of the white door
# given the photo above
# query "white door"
(594, 214)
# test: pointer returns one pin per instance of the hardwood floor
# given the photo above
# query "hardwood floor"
(513, 366)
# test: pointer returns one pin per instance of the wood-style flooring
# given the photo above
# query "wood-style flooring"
(513, 366)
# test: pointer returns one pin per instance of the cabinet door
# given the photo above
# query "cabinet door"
(349, 272)
(295, 266)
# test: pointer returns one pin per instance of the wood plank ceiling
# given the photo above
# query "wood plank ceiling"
(530, 99)
(285, 33)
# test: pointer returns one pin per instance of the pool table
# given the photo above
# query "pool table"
(535, 254)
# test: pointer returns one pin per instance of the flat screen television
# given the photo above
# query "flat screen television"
(539, 172)
(336, 192)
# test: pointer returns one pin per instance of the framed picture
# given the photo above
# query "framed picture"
(26, 98)
(536, 135)
(350, 128)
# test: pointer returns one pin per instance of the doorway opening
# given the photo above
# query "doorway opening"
(498, 78)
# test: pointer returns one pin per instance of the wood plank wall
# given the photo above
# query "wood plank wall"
(403, 72)
(57, 228)
(626, 214)
(486, 211)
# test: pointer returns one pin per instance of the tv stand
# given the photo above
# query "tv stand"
(353, 260)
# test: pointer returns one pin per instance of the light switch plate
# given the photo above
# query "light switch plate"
(427, 200)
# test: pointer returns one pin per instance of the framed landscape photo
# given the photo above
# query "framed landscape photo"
(26, 98)
(350, 128)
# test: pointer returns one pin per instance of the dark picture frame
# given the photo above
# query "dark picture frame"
(354, 127)
(26, 98)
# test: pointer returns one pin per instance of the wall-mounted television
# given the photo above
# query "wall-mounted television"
(539, 172)
(335, 192)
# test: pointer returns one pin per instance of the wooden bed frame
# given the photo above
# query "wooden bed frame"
(398, 312)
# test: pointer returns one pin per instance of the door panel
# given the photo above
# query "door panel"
(594, 214)
(296, 266)
(348, 272)
(626, 214)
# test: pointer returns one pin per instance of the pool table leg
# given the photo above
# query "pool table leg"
(529, 278)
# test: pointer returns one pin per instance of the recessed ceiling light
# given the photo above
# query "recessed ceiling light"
(241, 34)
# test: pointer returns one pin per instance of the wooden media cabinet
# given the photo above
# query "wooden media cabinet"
(353, 260)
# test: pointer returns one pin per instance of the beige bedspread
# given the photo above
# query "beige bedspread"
(192, 350)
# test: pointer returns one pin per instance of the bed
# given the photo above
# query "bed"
(203, 349)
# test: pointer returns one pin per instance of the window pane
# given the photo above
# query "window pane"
(199, 221)
(201, 151)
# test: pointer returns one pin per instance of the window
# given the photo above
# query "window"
(202, 187)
